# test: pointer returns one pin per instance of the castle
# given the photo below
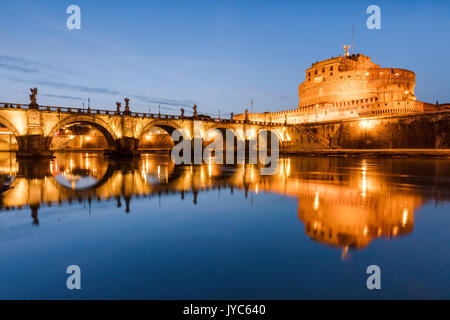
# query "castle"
(349, 87)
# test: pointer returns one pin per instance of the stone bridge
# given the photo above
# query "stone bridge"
(34, 126)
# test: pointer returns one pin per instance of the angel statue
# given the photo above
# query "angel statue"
(33, 96)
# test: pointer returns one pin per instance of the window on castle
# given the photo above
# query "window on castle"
(315, 71)
(323, 69)
(331, 68)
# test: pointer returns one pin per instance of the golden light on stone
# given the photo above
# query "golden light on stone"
(366, 124)
(251, 134)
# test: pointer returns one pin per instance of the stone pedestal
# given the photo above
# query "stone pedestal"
(33, 146)
(125, 147)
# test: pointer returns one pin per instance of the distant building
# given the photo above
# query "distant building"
(349, 87)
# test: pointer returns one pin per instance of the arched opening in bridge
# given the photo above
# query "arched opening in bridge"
(267, 139)
(8, 140)
(81, 136)
(230, 142)
(157, 138)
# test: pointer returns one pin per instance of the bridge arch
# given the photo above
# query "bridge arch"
(276, 132)
(166, 125)
(270, 131)
(156, 140)
(96, 123)
(5, 122)
(237, 132)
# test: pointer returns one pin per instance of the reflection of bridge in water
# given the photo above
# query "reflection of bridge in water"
(342, 202)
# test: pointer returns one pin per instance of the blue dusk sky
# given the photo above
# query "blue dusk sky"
(219, 54)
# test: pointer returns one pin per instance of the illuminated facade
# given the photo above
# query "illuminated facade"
(350, 87)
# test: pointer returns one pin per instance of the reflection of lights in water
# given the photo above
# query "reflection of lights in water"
(210, 168)
(71, 165)
(364, 182)
(281, 172)
(316, 201)
(74, 181)
(404, 217)
(395, 230)
(159, 172)
(256, 188)
(344, 252)
(366, 230)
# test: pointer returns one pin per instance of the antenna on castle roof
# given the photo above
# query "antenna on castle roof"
(353, 37)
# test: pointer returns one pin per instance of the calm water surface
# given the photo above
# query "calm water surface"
(149, 229)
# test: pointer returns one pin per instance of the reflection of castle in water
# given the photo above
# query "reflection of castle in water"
(342, 202)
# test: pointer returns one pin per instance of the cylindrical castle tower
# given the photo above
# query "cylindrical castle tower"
(354, 77)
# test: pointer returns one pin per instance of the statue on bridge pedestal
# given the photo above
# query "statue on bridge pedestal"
(182, 112)
(195, 110)
(33, 94)
(232, 116)
(246, 115)
(118, 104)
(127, 107)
